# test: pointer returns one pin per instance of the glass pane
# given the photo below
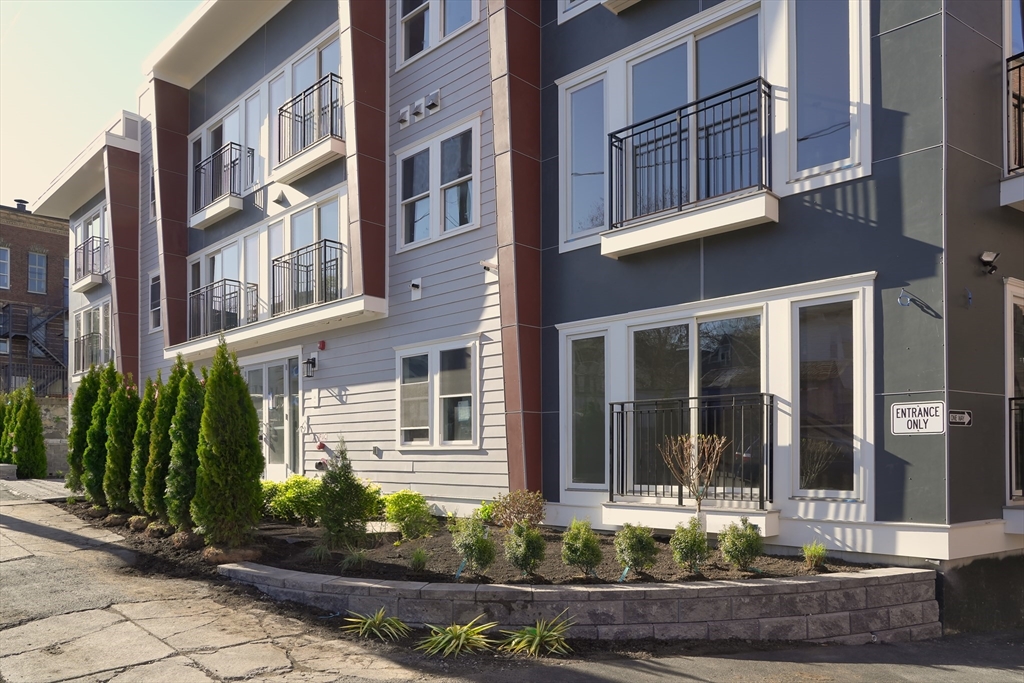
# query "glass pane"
(276, 423)
(588, 411)
(588, 145)
(1017, 28)
(822, 82)
(410, 5)
(302, 230)
(728, 57)
(330, 58)
(293, 414)
(661, 363)
(659, 84)
(457, 413)
(417, 220)
(458, 201)
(196, 277)
(329, 221)
(230, 254)
(416, 174)
(457, 13)
(276, 100)
(826, 397)
(415, 412)
(253, 121)
(415, 28)
(456, 157)
(730, 356)
(276, 240)
(1018, 351)
(456, 372)
(304, 73)
(252, 259)
(255, 381)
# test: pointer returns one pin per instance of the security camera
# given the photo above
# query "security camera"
(988, 260)
(490, 267)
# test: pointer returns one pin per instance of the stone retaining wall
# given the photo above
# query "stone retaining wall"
(877, 605)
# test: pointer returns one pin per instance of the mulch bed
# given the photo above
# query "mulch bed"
(287, 546)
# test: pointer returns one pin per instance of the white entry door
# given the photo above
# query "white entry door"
(274, 388)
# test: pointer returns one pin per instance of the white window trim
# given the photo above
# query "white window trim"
(568, 241)
(567, 9)
(101, 211)
(433, 143)
(433, 351)
(149, 301)
(435, 31)
(1014, 294)
(862, 403)
(565, 429)
(776, 306)
(7, 260)
(107, 334)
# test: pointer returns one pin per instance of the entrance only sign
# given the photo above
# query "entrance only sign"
(919, 418)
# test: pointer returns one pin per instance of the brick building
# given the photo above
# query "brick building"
(33, 301)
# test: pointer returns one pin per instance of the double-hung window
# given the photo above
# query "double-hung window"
(36, 273)
(5, 268)
(438, 181)
(427, 23)
(155, 321)
(438, 395)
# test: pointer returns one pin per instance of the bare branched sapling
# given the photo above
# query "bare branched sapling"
(693, 460)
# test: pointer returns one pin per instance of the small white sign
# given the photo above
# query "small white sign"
(919, 418)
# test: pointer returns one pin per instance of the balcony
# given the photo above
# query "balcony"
(221, 306)
(639, 479)
(695, 171)
(217, 184)
(310, 130)
(1011, 190)
(91, 349)
(307, 277)
(90, 264)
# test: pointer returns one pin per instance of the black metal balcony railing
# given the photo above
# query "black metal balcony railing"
(709, 148)
(307, 277)
(90, 257)
(1017, 446)
(1015, 113)
(310, 117)
(90, 349)
(637, 428)
(221, 306)
(223, 173)
(47, 379)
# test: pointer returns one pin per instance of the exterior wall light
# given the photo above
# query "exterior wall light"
(988, 261)
(308, 367)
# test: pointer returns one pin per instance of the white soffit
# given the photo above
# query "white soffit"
(208, 35)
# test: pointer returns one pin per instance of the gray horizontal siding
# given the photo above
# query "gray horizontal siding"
(151, 344)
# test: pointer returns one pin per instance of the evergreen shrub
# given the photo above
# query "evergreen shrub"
(160, 444)
(140, 444)
(689, 545)
(181, 471)
(580, 546)
(95, 457)
(740, 543)
(81, 418)
(344, 502)
(635, 547)
(121, 423)
(524, 548)
(30, 450)
(470, 540)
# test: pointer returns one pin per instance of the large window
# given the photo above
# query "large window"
(438, 395)
(5, 268)
(438, 181)
(36, 273)
(427, 23)
(586, 159)
(93, 341)
(588, 406)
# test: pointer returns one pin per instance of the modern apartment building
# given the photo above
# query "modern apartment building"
(499, 244)
(33, 301)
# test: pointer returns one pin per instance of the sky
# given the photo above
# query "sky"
(67, 68)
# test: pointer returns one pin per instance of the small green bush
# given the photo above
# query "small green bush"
(375, 505)
(740, 543)
(298, 500)
(519, 506)
(271, 489)
(121, 423)
(418, 561)
(689, 545)
(486, 511)
(524, 548)
(342, 502)
(580, 546)
(470, 540)
(409, 511)
(81, 419)
(635, 547)
(815, 554)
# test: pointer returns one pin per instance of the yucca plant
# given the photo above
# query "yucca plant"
(548, 636)
(370, 625)
(456, 639)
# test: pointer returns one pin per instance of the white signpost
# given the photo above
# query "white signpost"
(919, 418)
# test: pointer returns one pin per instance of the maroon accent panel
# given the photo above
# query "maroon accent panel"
(367, 196)
(122, 181)
(171, 161)
(515, 31)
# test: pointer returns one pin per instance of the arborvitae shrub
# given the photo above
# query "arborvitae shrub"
(524, 548)
(409, 511)
(121, 422)
(7, 426)
(580, 546)
(3, 417)
(160, 443)
(140, 444)
(181, 473)
(689, 545)
(30, 456)
(740, 544)
(228, 494)
(343, 502)
(471, 542)
(635, 547)
(95, 458)
(81, 419)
